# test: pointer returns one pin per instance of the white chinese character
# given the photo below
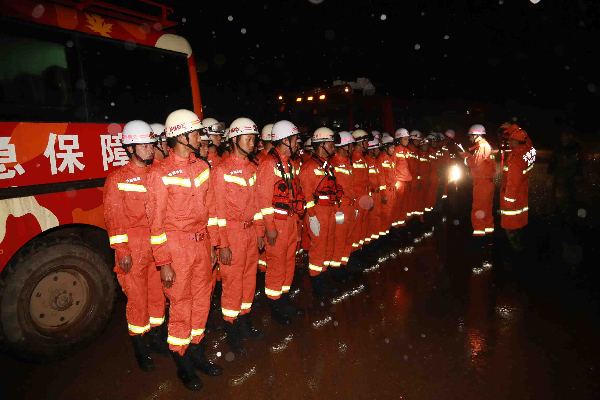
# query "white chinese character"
(529, 157)
(112, 151)
(8, 155)
(66, 143)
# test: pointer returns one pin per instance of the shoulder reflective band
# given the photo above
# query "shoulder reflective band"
(359, 165)
(509, 199)
(528, 169)
(386, 164)
(400, 155)
(116, 239)
(176, 181)
(252, 180)
(159, 239)
(200, 179)
(372, 171)
(284, 176)
(319, 172)
(131, 187)
(342, 170)
(213, 221)
(238, 180)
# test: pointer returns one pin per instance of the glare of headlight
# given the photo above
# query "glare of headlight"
(455, 174)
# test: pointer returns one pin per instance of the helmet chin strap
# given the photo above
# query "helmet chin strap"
(135, 154)
(289, 146)
(247, 154)
(157, 146)
(189, 146)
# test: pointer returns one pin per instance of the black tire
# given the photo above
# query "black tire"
(88, 304)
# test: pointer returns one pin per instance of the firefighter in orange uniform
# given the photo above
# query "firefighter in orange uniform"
(240, 232)
(183, 226)
(217, 147)
(403, 175)
(433, 178)
(360, 173)
(387, 167)
(125, 198)
(377, 185)
(317, 178)
(414, 165)
(483, 168)
(161, 150)
(265, 142)
(346, 214)
(281, 203)
(515, 183)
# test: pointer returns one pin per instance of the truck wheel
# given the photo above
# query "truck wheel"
(54, 298)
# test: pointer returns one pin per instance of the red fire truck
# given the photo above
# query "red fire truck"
(71, 73)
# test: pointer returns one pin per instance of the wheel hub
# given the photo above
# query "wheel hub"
(59, 299)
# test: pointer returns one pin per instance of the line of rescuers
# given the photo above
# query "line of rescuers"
(200, 203)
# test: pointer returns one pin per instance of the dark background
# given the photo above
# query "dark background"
(501, 59)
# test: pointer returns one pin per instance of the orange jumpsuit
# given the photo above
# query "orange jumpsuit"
(387, 170)
(280, 200)
(433, 179)
(482, 167)
(240, 224)
(360, 174)
(125, 199)
(403, 180)
(317, 179)
(377, 185)
(346, 215)
(183, 225)
(515, 187)
(413, 164)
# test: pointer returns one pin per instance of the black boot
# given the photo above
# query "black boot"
(289, 308)
(157, 340)
(247, 329)
(141, 353)
(277, 312)
(234, 338)
(199, 360)
(185, 371)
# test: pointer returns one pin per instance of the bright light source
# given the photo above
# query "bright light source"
(309, 98)
(298, 99)
(346, 89)
(280, 97)
(454, 174)
(322, 97)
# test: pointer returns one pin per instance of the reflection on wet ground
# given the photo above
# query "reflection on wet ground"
(425, 321)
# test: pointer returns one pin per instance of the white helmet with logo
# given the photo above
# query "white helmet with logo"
(400, 133)
(360, 135)
(159, 131)
(386, 139)
(137, 132)
(477, 129)
(322, 134)
(343, 138)
(374, 143)
(242, 126)
(283, 129)
(213, 127)
(308, 144)
(416, 134)
(180, 122)
(265, 133)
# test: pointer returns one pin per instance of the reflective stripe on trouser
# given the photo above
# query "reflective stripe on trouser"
(342, 237)
(482, 216)
(432, 191)
(374, 219)
(321, 247)
(141, 285)
(189, 295)
(360, 228)
(239, 278)
(281, 258)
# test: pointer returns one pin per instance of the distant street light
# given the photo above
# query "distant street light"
(298, 99)
(346, 89)
(280, 97)
(322, 97)
(309, 98)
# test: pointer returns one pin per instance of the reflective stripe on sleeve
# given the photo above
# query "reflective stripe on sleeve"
(200, 179)
(159, 239)
(131, 187)
(176, 181)
(116, 239)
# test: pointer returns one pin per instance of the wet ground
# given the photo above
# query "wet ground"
(426, 322)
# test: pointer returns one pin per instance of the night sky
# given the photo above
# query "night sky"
(539, 59)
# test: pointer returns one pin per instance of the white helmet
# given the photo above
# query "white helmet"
(477, 129)
(343, 138)
(416, 134)
(386, 139)
(400, 133)
(213, 127)
(265, 134)
(242, 126)
(376, 134)
(283, 129)
(360, 135)
(308, 144)
(159, 131)
(137, 132)
(374, 143)
(180, 122)
(322, 134)
(450, 133)
(432, 136)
